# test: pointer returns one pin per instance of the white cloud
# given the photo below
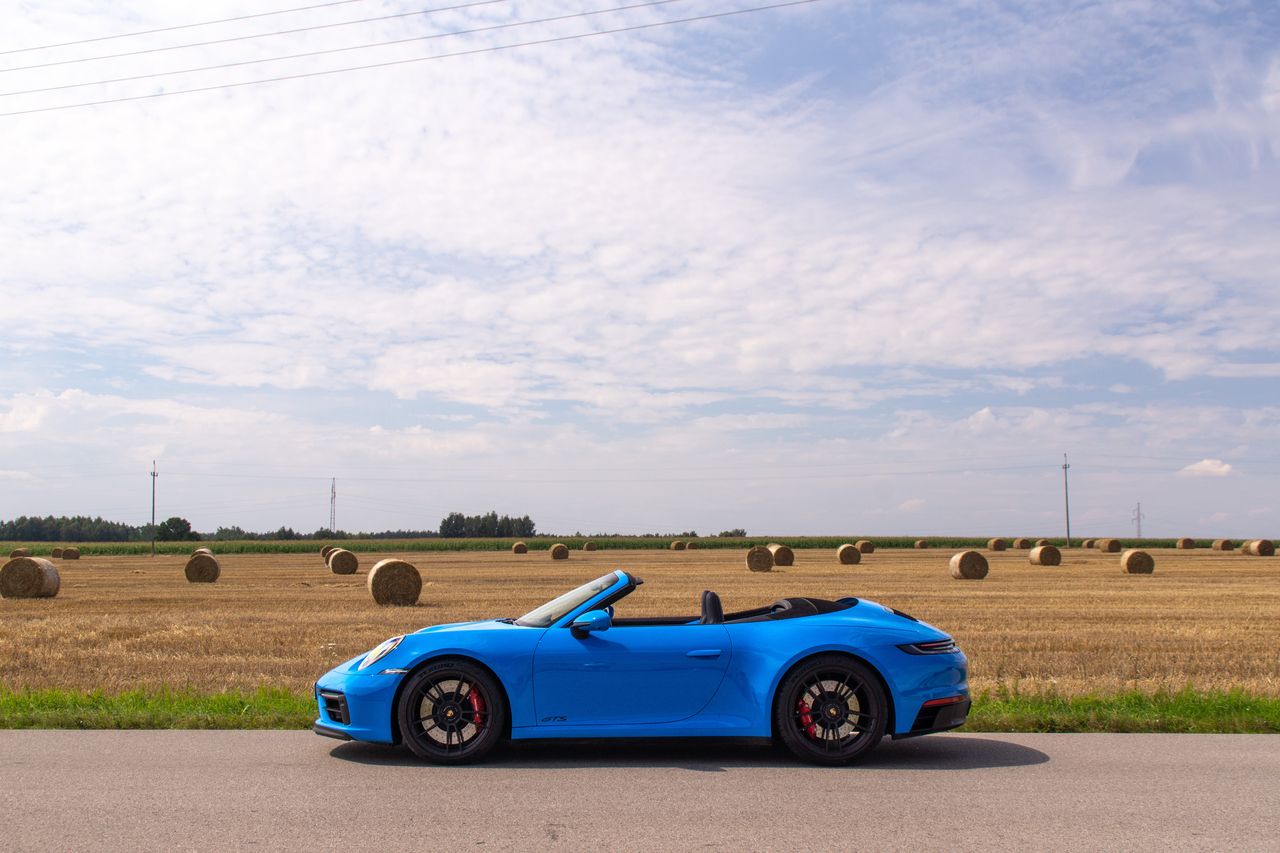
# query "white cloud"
(644, 253)
(912, 505)
(1207, 468)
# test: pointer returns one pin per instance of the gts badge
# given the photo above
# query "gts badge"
(555, 719)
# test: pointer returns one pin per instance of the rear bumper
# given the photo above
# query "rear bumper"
(938, 718)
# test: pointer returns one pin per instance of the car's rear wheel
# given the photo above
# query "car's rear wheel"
(831, 710)
(452, 712)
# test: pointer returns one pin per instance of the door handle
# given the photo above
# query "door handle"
(703, 653)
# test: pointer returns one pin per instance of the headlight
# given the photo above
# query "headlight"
(381, 651)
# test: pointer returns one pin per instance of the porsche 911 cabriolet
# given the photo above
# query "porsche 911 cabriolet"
(828, 679)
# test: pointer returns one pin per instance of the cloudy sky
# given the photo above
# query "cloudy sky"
(837, 267)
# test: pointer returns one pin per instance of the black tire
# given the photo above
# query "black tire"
(831, 710)
(452, 712)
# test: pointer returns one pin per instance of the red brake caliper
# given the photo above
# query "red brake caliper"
(806, 718)
(477, 708)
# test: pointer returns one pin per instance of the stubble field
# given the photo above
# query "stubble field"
(1204, 619)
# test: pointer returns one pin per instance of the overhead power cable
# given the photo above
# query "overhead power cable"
(181, 27)
(230, 39)
(224, 65)
(395, 62)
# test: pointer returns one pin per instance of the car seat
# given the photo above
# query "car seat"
(712, 611)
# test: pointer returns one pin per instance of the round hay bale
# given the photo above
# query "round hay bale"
(1186, 543)
(203, 568)
(29, 577)
(996, 544)
(343, 562)
(70, 553)
(1108, 546)
(691, 545)
(848, 555)
(325, 552)
(1223, 545)
(866, 546)
(1135, 562)
(519, 548)
(588, 546)
(922, 544)
(760, 559)
(1041, 542)
(202, 551)
(1022, 543)
(57, 553)
(19, 552)
(970, 565)
(1046, 555)
(559, 551)
(677, 545)
(1089, 543)
(782, 555)
(1262, 548)
(395, 582)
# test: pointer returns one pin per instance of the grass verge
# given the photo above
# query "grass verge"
(1188, 710)
(266, 708)
(1006, 711)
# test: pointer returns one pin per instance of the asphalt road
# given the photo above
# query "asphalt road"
(186, 790)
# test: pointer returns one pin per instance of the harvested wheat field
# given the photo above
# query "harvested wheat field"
(1209, 619)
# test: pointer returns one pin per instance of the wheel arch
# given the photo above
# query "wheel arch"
(396, 735)
(782, 679)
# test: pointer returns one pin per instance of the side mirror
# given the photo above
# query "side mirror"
(592, 620)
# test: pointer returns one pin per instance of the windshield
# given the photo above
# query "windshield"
(549, 613)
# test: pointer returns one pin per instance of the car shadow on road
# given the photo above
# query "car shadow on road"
(940, 752)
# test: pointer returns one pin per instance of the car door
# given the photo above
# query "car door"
(634, 675)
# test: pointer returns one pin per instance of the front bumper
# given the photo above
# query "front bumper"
(356, 706)
(328, 731)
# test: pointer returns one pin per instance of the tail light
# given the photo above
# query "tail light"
(933, 647)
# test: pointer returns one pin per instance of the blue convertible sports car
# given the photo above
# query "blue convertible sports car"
(827, 678)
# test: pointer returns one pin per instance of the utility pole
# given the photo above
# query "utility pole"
(154, 475)
(1066, 497)
(1137, 518)
(333, 504)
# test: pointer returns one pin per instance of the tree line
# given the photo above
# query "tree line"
(81, 528)
(455, 525)
(76, 528)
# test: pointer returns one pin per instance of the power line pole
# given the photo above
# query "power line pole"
(154, 475)
(333, 504)
(1066, 497)
(1137, 518)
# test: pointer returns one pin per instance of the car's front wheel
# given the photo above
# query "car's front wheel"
(452, 712)
(831, 710)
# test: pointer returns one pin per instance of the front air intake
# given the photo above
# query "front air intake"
(334, 705)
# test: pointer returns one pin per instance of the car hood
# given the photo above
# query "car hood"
(479, 625)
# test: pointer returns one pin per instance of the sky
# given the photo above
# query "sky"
(835, 267)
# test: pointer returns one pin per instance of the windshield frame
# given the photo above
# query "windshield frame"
(568, 603)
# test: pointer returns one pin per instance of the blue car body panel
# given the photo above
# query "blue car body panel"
(651, 680)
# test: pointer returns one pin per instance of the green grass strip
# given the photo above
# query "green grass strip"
(266, 708)
(1188, 710)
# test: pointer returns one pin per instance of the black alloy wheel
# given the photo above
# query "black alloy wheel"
(452, 712)
(831, 710)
